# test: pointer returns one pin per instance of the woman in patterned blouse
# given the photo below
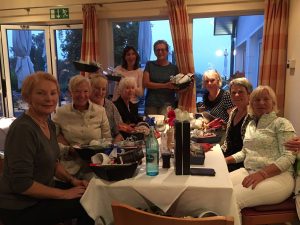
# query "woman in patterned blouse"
(267, 176)
(216, 100)
(240, 90)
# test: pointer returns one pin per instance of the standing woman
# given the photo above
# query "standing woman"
(240, 90)
(216, 100)
(160, 91)
(130, 68)
(99, 89)
(27, 189)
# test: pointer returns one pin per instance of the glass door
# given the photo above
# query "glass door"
(26, 49)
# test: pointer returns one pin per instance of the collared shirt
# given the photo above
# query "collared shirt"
(82, 127)
(263, 143)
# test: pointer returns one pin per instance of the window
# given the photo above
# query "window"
(231, 45)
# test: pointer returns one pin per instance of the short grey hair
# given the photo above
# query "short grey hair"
(76, 80)
(97, 78)
(257, 92)
(242, 81)
(126, 82)
(209, 73)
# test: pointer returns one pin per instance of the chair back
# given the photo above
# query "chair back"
(127, 215)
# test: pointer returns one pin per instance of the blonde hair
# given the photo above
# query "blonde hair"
(30, 82)
(97, 78)
(209, 73)
(257, 92)
(76, 80)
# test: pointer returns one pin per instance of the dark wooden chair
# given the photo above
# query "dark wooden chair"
(270, 214)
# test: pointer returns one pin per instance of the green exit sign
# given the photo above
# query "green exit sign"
(59, 13)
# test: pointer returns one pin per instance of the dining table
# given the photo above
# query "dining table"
(176, 195)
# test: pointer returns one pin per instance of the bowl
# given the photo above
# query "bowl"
(114, 172)
(113, 78)
(85, 152)
(209, 139)
(84, 67)
(183, 85)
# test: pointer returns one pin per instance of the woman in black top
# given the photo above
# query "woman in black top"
(216, 101)
(28, 194)
(240, 90)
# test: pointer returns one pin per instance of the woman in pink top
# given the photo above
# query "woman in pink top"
(130, 68)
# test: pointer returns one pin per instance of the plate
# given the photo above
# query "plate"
(113, 78)
(84, 67)
(208, 139)
(85, 152)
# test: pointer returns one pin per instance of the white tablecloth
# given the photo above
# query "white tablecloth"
(178, 195)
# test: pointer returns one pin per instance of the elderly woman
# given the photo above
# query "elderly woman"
(27, 188)
(160, 91)
(99, 89)
(268, 174)
(240, 90)
(130, 68)
(127, 110)
(79, 122)
(216, 100)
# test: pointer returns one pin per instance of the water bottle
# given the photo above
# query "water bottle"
(152, 151)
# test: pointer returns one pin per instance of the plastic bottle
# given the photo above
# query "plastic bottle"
(152, 152)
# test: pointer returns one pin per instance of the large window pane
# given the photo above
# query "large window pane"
(25, 50)
(67, 48)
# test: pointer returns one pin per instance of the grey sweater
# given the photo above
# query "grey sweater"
(29, 156)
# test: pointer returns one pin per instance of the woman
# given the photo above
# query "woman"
(127, 110)
(240, 90)
(79, 122)
(130, 68)
(160, 91)
(99, 87)
(268, 174)
(27, 191)
(216, 100)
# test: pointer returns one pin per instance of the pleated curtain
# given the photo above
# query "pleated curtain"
(179, 23)
(274, 52)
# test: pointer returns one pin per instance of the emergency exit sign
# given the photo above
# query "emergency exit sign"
(59, 13)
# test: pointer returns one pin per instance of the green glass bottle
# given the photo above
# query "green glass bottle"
(152, 154)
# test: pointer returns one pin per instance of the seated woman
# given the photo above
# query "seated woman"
(216, 101)
(240, 90)
(127, 110)
(267, 177)
(99, 88)
(27, 188)
(79, 122)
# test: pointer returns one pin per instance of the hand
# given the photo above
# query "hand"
(170, 85)
(77, 183)
(253, 179)
(75, 192)
(293, 144)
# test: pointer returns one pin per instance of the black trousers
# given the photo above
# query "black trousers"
(47, 212)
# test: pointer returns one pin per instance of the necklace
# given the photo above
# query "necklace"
(42, 123)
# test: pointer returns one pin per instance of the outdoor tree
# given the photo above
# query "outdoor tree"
(125, 33)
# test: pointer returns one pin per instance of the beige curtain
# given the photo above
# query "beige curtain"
(274, 52)
(89, 45)
(179, 23)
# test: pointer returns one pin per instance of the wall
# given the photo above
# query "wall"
(292, 106)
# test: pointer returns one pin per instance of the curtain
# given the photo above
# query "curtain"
(89, 45)
(22, 42)
(179, 23)
(145, 41)
(274, 52)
